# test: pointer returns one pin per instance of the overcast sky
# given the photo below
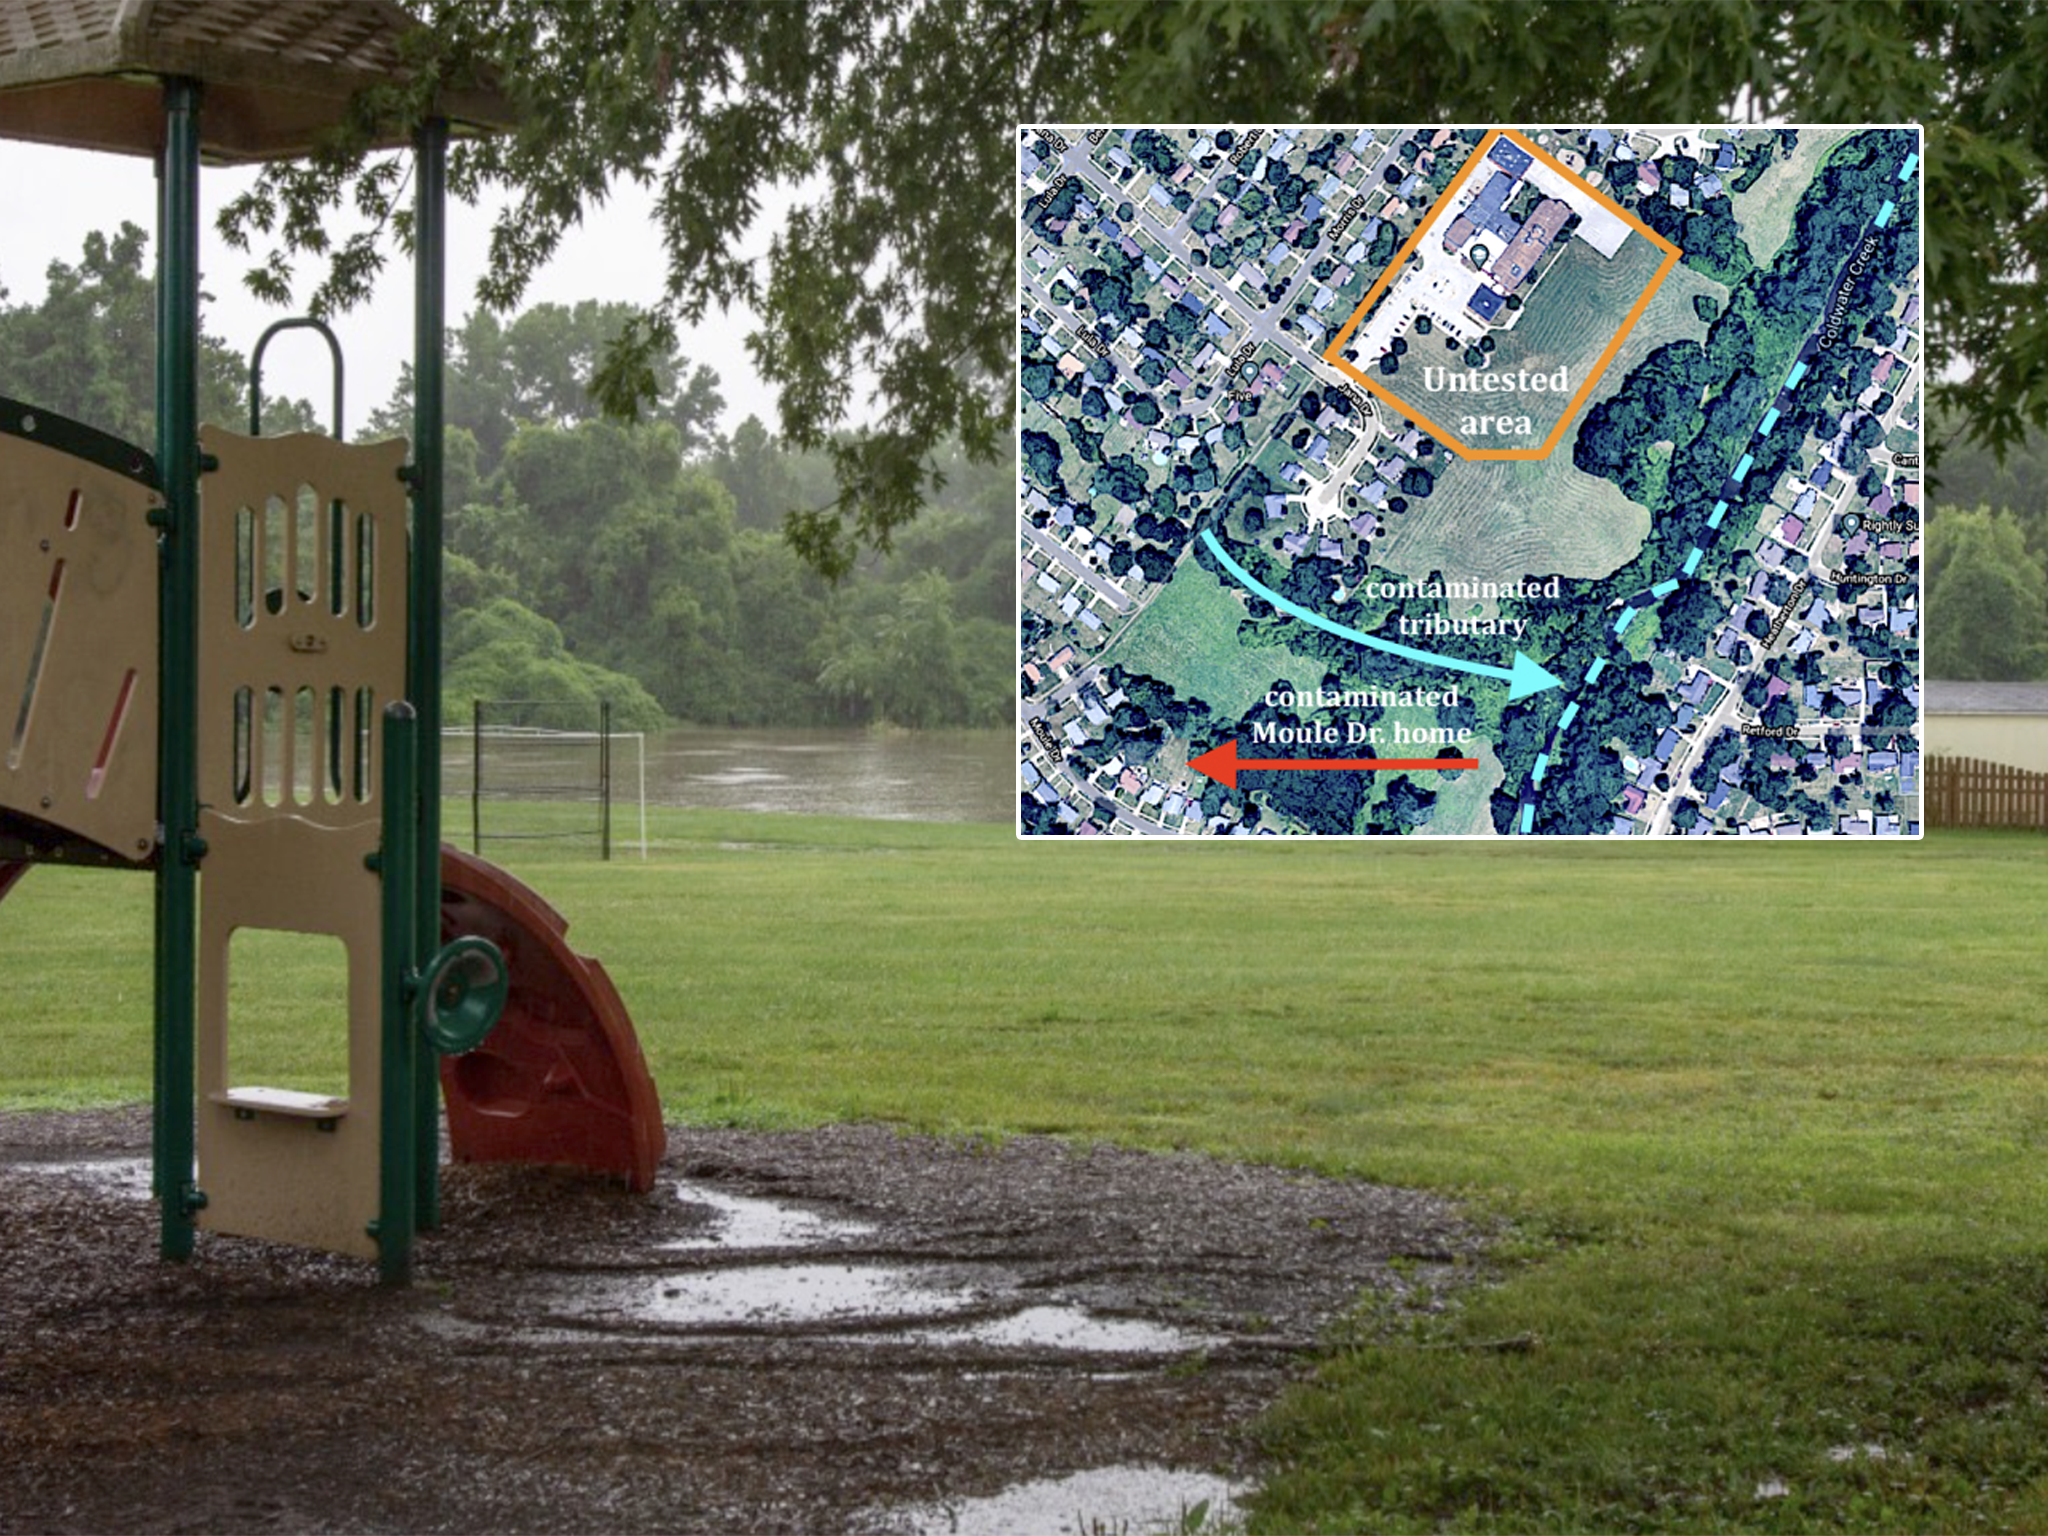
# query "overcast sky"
(56, 197)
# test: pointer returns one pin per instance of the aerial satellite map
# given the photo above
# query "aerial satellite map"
(1471, 482)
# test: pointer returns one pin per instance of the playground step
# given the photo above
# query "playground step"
(288, 1102)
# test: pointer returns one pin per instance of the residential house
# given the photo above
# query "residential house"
(1999, 722)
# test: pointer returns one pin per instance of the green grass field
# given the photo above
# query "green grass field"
(1182, 638)
(1765, 210)
(1766, 1122)
(1573, 313)
(1498, 519)
(1501, 519)
(1669, 317)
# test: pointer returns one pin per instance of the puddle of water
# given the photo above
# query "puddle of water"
(1132, 1501)
(127, 1177)
(1071, 1328)
(858, 1296)
(795, 1293)
(855, 1295)
(744, 1222)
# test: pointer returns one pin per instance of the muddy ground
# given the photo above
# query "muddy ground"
(908, 1325)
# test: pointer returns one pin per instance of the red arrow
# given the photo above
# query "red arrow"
(1223, 764)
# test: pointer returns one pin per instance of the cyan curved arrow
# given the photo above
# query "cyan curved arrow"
(1523, 678)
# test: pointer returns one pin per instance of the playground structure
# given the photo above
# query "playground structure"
(220, 663)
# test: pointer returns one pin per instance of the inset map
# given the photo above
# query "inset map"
(1469, 481)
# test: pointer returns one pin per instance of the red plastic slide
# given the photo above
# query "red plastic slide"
(561, 1078)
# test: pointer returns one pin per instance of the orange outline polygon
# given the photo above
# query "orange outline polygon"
(1671, 258)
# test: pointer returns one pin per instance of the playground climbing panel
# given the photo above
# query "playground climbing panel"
(302, 602)
(78, 643)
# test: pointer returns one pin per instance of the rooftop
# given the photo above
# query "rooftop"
(1942, 698)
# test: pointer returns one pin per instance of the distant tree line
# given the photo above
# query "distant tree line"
(1985, 555)
(656, 550)
(646, 562)
(88, 350)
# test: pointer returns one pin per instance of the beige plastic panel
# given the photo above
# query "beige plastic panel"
(78, 647)
(301, 647)
(290, 625)
(280, 1173)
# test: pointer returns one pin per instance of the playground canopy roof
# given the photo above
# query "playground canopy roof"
(85, 73)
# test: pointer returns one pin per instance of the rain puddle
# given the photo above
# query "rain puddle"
(862, 1304)
(127, 1177)
(1070, 1328)
(796, 1293)
(744, 1222)
(857, 1301)
(1132, 1501)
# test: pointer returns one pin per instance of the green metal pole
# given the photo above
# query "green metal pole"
(177, 453)
(423, 658)
(398, 1149)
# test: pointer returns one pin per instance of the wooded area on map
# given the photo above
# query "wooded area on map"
(589, 558)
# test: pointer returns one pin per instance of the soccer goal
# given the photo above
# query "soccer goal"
(547, 772)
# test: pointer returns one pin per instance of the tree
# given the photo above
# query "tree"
(898, 266)
(1993, 597)
(1971, 476)
(539, 367)
(900, 661)
(88, 350)
(783, 607)
(506, 651)
(1961, 67)
(592, 558)
(665, 605)
(765, 481)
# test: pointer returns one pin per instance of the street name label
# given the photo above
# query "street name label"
(1581, 465)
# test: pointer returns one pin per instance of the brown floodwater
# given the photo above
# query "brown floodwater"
(883, 775)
